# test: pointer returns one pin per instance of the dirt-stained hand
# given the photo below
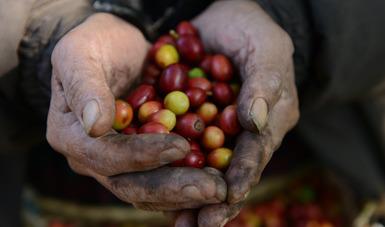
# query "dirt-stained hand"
(267, 104)
(92, 64)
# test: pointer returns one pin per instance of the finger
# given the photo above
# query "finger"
(162, 206)
(113, 153)
(177, 215)
(86, 92)
(158, 206)
(117, 153)
(186, 218)
(78, 167)
(213, 171)
(167, 188)
(253, 151)
(182, 217)
(258, 95)
(217, 215)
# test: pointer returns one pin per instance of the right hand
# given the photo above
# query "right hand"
(94, 63)
(267, 104)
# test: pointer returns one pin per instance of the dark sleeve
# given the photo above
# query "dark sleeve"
(48, 22)
(13, 13)
(349, 59)
(29, 32)
(25, 77)
(51, 20)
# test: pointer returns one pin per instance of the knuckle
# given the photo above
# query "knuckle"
(287, 42)
(52, 137)
(76, 167)
(99, 166)
(294, 113)
(124, 191)
(274, 82)
(296, 116)
(74, 93)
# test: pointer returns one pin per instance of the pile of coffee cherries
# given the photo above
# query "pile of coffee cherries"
(188, 92)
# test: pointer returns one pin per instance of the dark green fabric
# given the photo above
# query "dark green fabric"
(20, 128)
(349, 49)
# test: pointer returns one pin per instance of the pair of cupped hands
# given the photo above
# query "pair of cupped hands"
(102, 58)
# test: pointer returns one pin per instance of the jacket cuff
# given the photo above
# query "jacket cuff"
(130, 11)
(49, 21)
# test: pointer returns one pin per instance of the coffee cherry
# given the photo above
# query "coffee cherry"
(185, 67)
(201, 83)
(165, 117)
(196, 96)
(186, 28)
(221, 68)
(219, 158)
(194, 146)
(153, 127)
(151, 74)
(190, 48)
(213, 138)
(130, 130)
(177, 102)
(178, 163)
(195, 160)
(180, 70)
(207, 111)
(147, 109)
(223, 94)
(228, 121)
(196, 72)
(206, 64)
(140, 95)
(165, 39)
(123, 115)
(190, 125)
(173, 78)
(166, 55)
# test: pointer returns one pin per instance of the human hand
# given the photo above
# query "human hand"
(94, 63)
(267, 104)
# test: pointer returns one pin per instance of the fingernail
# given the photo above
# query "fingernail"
(259, 113)
(91, 114)
(192, 192)
(213, 171)
(246, 195)
(170, 155)
(224, 222)
(235, 194)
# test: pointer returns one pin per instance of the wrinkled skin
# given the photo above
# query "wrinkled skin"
(267, 104)
(94, 63)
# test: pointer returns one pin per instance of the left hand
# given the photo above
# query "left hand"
(267, 104)
(92, 64)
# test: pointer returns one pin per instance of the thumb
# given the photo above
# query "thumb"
(88, 95)
(259, 93)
